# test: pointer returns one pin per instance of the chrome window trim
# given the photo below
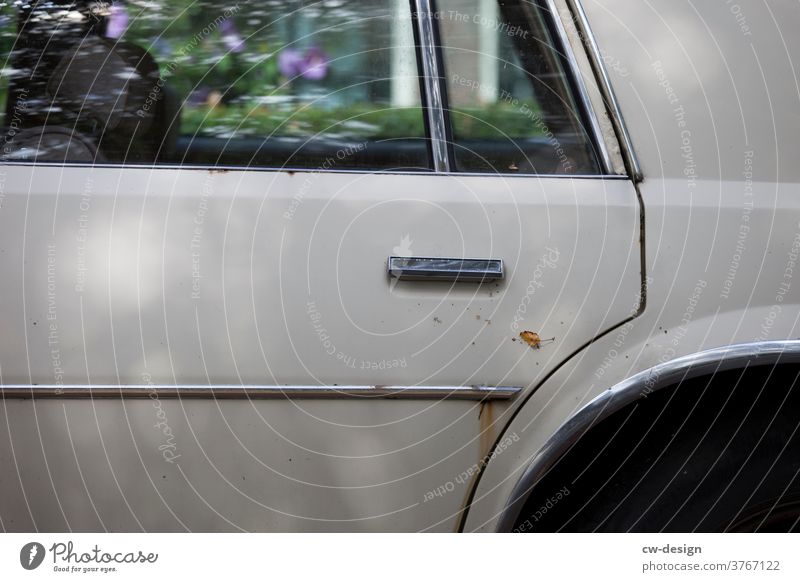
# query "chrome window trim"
(628, 391)
(216, 169)
(433, 81)
(539, 176)
(606, 88)
(481, 393)
(226, 169)
(582, 91)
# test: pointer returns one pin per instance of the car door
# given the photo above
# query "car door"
(203, 329)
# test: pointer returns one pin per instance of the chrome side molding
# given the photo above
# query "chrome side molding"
(481, 393)
(444, 269)
(634, 388)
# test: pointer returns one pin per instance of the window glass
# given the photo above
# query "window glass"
(511, 107)
(330, 83)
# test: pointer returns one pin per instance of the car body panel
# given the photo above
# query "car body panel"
(173, 277)
(722, 203)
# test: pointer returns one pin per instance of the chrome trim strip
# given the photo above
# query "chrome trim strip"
(634, 388)
(606, 88)
(540, 176)
(384, 172)
(583, 94)
(481, 393)
(434, 98)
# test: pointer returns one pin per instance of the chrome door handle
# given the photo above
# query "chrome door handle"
(444, 269)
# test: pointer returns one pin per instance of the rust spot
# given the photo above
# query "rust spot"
(533, 339)
(478, 317)
(486, 423)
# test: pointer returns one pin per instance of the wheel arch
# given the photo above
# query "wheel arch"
(627, 392)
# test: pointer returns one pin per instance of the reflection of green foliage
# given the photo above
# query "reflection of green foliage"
(8, 34)
(360, 121)
(497, 120)
(189, 59)
(185, 38)
(349, 122)
(3, 99)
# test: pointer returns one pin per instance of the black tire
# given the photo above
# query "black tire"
(725, 461)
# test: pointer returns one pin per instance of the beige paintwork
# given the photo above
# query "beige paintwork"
(271, 242)
(735, 227)
(361, 464)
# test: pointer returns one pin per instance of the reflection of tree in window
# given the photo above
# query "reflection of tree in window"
(230, 81)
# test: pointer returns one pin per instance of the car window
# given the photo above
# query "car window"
(271, 84)
(512, 108)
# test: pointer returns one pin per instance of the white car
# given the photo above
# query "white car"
(390, 265)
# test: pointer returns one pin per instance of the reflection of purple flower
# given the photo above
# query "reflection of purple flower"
(316, 64)
(313, 65)
(117, 22)
(289, 63)
(231, 36)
